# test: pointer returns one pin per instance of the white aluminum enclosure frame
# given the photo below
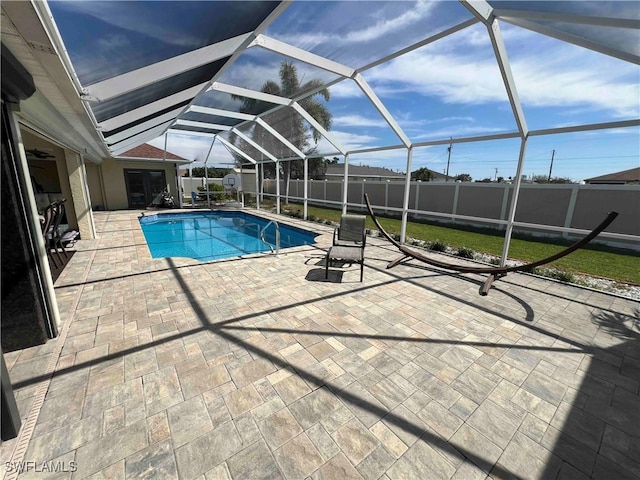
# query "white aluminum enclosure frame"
(481, 11)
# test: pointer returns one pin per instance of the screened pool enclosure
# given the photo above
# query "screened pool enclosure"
(278, 83)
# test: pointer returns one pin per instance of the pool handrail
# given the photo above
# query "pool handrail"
(277, 227)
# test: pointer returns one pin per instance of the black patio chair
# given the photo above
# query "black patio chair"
(349, 240)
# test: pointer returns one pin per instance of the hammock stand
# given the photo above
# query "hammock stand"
(494, 272)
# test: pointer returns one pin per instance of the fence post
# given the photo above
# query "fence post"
(386, 196)
(405, 199)
(456, 193)
(571, 208)
(345, 184)
(505, 201)
(325, 192)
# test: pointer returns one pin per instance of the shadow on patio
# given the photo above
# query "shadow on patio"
(238, 368)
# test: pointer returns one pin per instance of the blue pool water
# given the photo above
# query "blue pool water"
(215, 235)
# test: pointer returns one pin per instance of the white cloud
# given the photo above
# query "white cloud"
(387, 25)
(551, 82)
(366, 33)
(558, 80)
(359, 121)
(349, 141)
(345, 89)
(457, 131)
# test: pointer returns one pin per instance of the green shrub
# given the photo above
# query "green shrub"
(561, 275)
(465, 252)
(494, 261)
(213, 187)
(437, 246)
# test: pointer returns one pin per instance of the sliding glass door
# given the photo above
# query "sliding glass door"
(143, 186)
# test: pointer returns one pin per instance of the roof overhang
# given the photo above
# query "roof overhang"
(55, 109)
(154, 160)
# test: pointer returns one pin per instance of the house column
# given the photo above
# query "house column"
(79, 209)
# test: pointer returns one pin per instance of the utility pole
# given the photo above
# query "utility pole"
(553, 154)
(448, 159)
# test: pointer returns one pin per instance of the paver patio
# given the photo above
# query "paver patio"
(258, 368)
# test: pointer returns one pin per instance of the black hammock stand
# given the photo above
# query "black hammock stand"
(494, 272)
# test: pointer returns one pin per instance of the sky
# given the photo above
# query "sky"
(451, 88)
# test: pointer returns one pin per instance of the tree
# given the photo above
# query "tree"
(464, 177)
(545, 179)
(317, 168)
(212, 172)
(286, 120)
(422, 174)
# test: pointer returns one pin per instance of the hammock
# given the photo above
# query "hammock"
(493, 272)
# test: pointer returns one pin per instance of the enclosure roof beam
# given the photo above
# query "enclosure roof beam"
(245, 92)
(508, 14)
(231, 146)
(421, 43)
(220, 113)
(298, 108)
(574, 39)
(139, 139)
(584, 128)
(290, 51)
(190, 132)
(481, 138)
(484, 12)
(373, 98)
(141, 127)
(151, 108)
(282, 139)
(254, 144)
(211, 126)
(142, 77)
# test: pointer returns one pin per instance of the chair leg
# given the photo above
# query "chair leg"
(55, 247)
(66, 255)
(50, 256)
(361, 269)
(326, 266)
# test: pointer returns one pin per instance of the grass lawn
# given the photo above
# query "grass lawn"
(622, 266)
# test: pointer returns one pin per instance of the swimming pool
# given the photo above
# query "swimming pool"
(215, 235)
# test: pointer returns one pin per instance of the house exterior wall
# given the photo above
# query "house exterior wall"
(95, 186)
(81, 206)
(115, 187)
(65, 188)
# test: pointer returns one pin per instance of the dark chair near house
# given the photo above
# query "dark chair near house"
(349, 240)
(57, 236)
(46, 223)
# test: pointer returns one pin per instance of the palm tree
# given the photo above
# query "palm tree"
(286, 120)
